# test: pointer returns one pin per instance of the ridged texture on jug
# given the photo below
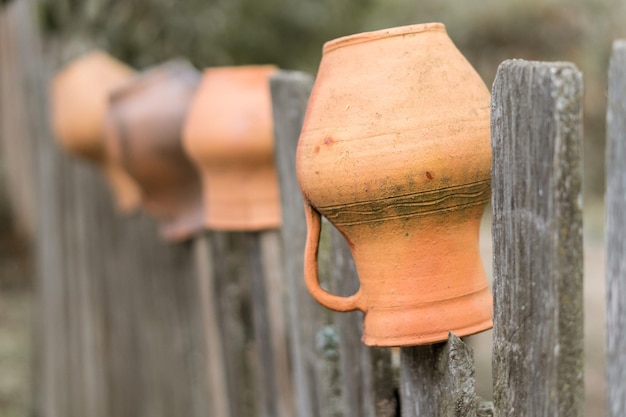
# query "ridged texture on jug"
(79, 96)
(395, 152)
(229, 135)
(144, 130)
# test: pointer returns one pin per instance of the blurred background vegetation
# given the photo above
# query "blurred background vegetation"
(290, 33)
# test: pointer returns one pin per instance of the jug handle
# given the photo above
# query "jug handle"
(311, 278)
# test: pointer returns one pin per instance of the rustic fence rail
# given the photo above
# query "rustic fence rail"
(615, 226)
(223, 325)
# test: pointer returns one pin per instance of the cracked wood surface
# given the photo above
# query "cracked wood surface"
(334, 373)
(615, 226)
(537, 233)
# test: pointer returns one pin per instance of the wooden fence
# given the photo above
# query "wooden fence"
(222, 326)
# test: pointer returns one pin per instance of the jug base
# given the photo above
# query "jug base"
(428, 323)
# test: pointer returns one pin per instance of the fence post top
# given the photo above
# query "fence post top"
(522, 63)
(619, 44)
(290, 75)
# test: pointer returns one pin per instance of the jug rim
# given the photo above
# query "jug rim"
(382, 34)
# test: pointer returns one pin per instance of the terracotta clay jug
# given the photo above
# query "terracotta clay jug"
(79, 96)
(229, 135)
(395, 153)
(144, 129)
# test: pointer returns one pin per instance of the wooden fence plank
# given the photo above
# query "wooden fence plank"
(290, 92)
(615, 227)
(276, 302)
(265, 383)
(314, 335)
(537, 233)
(273, 380)
(17, 144)
(215, 362)
(21, 40)
(355, 380)
(368, 383)
(438, 380)
(118, 328)
(232, 288)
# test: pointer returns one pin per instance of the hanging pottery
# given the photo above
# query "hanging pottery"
(79, 96)
(395, 153)
(229, 135)
(144, 131)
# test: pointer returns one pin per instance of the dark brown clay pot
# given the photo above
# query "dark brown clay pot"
(144, 131)
(79, 97)
(395, 152)
(229, 135)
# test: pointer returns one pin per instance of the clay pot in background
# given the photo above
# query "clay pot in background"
(229, 136)
(395, 152)
(144, 131)
(79, 97)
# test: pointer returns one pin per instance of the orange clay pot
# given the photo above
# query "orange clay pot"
(144, 131)
(395, 152)
(79, 100)
(229, 135)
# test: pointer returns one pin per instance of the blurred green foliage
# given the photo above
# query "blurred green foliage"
(288, 33)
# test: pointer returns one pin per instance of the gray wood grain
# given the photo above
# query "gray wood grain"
(438, 380)
(233, 291)
(276, 300)
(314, 331)
(17, 133)
(269, 338)
(118, 310)
(215, 359)
(249, 323)
(290, 92)
(349, 378)
(615, 227)
(368, 383)
(537, 233)
(21, 40)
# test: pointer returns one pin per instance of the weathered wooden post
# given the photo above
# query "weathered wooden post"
(216, 371)
(276, 307)
(615, 227)
(228, 135)
(365, 384)
(290, 92)
(118, 330)
(247, 359)
(537, 233)
(438, 380)
(230, 307)
(268, 317)
(18, 154)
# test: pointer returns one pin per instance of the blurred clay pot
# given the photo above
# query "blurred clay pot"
(229, 135)
(144, 131)
(395, 152)
(79, 102)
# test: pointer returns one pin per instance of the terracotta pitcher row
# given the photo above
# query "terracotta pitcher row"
(394, 152)
(194, 150)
